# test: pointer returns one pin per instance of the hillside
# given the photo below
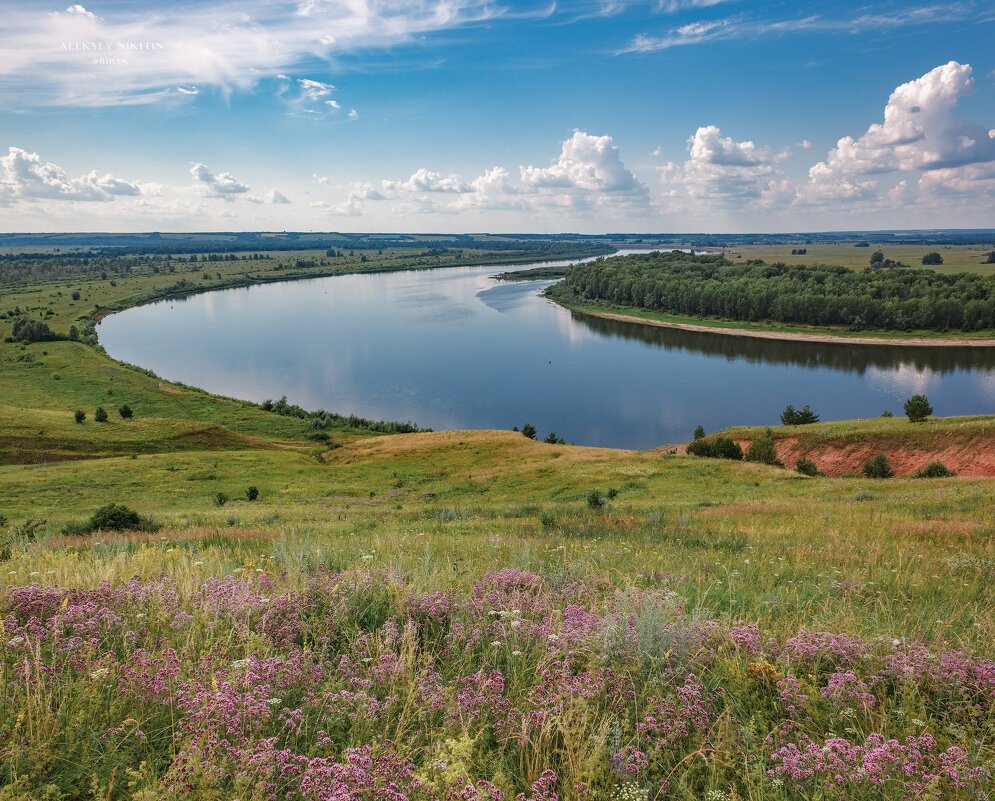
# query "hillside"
(964, 444)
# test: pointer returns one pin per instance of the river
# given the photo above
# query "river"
(452, 348)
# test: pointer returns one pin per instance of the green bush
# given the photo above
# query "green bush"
(529, 430)
(79, 415)
(725, 448)
(595, 499)
(125, 412)
(252, 493)
(111, 517)
(221, 498)
(878, 467)
(932, 258)
(806, 467)
(699, 432)
(27, 330)
(935, 470)
(700, 447)
(100, 415)
(918, 408)
(718, 448)
(763, 450)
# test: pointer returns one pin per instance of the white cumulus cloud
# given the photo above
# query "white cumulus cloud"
(423, 180)
(24, 175)
(919, 134)
(224, 185)
(722, 169)
(586, 163)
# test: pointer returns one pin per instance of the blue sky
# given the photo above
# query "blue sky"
(363, 115)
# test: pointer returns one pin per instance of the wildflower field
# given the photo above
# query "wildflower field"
(445, 616)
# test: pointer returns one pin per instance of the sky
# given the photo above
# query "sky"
(587, 116)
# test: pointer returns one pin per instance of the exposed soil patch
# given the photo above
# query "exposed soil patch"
(968, 453)
(971, 457)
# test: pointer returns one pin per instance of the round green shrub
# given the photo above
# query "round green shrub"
(806, 467)
(878, 467)
(935, 470)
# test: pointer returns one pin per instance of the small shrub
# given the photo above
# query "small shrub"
(529, 430)
(932, 258)
(725, 448)
(719, 448)
(886, 413)
(100, 415)
(112, 517)
(699, 432)
(700, 447)
(125, 412)
(221, 498)
(79, 415)
(918, 408)
(552, 439)
(763, 450)
(319, 436)
(806, 467)
(595, 499)
(878, 467)
(547, 519)
(612, 493)
(935, 470)
(252, 493)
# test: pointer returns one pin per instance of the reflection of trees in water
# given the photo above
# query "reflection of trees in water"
(844, 357)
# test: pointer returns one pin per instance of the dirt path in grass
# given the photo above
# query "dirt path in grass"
(832, 339)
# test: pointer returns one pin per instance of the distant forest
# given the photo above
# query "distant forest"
(711, 286)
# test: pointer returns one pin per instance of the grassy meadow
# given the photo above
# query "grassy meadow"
(956, 258)
(465, 615)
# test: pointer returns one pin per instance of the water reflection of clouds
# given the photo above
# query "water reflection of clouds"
(567, 323)
(986, 384)
(902, 380)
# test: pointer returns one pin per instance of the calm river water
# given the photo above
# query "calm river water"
(452, 348)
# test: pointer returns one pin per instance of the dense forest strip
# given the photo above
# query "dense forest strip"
(899, 300)
(791, 336)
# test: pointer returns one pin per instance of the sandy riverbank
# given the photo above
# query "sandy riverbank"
(793, 336)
